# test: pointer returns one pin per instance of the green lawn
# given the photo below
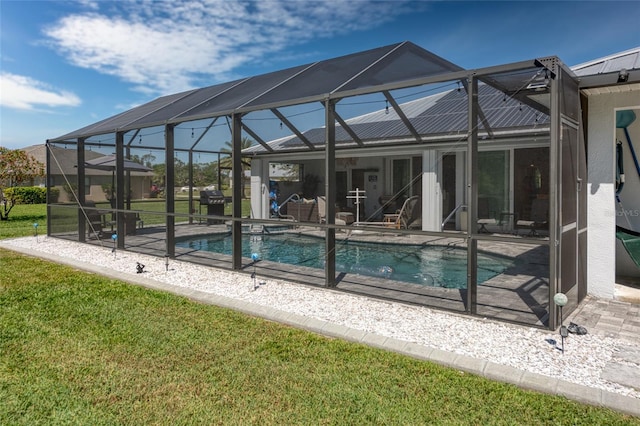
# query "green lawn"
(21, 220)
(77, 348)
(23, 216)
(152, 208)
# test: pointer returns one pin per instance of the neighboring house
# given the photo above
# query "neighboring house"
(97, 182)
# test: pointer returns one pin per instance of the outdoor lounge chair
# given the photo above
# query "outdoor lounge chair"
(94, 219)
(322, 217)
(538, 218)
(407, 217)
(485, 216)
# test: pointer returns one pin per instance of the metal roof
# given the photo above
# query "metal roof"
(443, 115)
(360, 71)
(65, 161)
(619, 71)
(629, 59)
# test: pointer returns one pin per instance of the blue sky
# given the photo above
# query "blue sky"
(67, 64)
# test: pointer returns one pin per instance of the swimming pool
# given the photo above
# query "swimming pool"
(436, 266)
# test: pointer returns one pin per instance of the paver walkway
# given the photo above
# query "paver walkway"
(617, 320)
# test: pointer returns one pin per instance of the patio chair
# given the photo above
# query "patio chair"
(322, 216)
(485, 216)
(94, 219)
(131, 223)
(407, 217)
(538, 218)
(412, 215)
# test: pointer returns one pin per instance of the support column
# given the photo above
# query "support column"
(555, 191)
(120, 226)
(431, 193)
(330, 193)
(49, 183)
(82, 222)
(472, 197)
(169, 184)
(461, 194)
(190, 186)
(259, 189)
(127, 179)
(236, 230)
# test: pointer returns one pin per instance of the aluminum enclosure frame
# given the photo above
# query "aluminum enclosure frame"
(471, 78)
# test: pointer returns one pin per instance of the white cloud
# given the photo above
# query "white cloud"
(89, 4)
(25, 93)
(170, 46)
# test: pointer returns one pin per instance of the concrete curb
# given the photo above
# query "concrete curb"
(490, 370)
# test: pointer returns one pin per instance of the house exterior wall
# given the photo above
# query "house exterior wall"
(140, 186)
(260, 180)
(628, 212)
(601, 133)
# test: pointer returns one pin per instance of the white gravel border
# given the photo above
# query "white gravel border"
(524, 348)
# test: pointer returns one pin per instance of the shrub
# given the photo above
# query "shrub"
(29, 194)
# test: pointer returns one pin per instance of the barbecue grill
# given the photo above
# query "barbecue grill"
(214, 200)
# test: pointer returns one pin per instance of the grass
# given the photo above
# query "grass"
(77, 348)
(82, 349)
(21, 220)
(153, 209)
(23, 216)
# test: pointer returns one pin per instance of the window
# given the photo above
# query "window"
(531, 179)
(406, 173)
(290, 172)
(493, 184)
(401, 177)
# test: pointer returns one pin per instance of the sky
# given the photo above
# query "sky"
(67, 64)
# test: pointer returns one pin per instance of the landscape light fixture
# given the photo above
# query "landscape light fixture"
(254, 257)
(35, 229)
(561, 299)
(166, 262)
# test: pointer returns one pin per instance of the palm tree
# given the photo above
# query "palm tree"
(227, 163)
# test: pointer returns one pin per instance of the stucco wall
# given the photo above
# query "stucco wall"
(628, 211)
(601, 203)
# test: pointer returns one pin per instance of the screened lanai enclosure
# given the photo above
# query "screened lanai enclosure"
(390, 173)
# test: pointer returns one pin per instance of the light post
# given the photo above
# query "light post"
(254, 257)
(560, 299)
(114, 237)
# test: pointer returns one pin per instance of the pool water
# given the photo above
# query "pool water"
(436, 266)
